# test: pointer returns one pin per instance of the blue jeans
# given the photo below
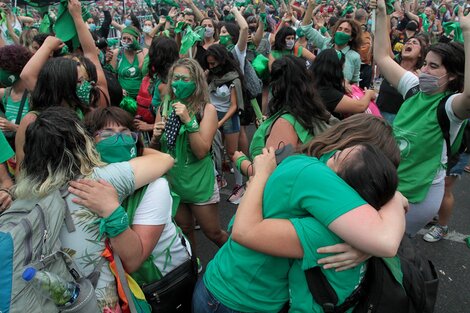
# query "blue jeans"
(389, 117)
(205, 302)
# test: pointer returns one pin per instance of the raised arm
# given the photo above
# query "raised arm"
(29, 74)
(392, 71)
(461, 103)
(89, 49)
(197, 13)
(243, 37)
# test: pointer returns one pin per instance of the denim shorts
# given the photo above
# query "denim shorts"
(458, 168)
(232, 125)
(205, 302)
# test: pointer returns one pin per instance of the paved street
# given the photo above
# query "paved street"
(451, 257)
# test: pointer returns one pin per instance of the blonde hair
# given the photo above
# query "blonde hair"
(57, 149)
(200, 97)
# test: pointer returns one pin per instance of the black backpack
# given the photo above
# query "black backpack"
(379, 291)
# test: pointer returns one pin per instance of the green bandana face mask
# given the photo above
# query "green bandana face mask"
(342, 38)
(182, 89)
(225, 40)
(117, 148)
(83, 91)
(7, 79)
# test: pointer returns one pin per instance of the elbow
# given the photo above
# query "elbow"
(167, 160)
(387, 248)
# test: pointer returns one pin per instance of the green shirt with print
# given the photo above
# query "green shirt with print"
(313, 235)
(249, 281)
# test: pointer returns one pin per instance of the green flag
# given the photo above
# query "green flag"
(45, 26)
(455, 27)
(425, 22)
(64, 26)
(188, 40)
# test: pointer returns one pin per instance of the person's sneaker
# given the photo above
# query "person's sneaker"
(436, 233)
(199, 266)
(197, 226)
(237, 194)
(221, 182)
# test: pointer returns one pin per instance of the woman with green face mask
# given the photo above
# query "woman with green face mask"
(345, 37)
(149, 208)
(185, 127)
(129, 60)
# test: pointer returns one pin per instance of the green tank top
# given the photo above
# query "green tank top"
(261, 135)
(192, 179)
(420, 141)
(130, 76)
(12, 107)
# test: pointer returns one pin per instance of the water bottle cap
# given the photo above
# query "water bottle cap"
(29, 273)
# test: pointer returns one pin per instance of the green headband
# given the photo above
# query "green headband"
(131, 31)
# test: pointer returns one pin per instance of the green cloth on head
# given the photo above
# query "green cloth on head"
(453, 26)
(131, 30)
(188, 40)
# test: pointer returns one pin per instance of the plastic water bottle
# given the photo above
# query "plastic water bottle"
(53, 287)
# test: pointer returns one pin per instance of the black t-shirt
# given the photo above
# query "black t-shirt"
(201, 57)
(330, 97)
(389, 99)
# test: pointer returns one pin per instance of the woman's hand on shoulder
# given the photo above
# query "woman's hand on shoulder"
(99, 196)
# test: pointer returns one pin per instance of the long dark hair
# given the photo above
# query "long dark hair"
(327, 70)
(57, 149)
(225, 59)
(57, 85)
(163, 52)
(280, 39)
(101, 117)
(293, 92)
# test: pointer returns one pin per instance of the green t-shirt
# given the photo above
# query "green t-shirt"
(5, 150)
(313, 235)
(249, 281)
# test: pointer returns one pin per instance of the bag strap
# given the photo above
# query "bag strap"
(321, 289)
(125, 286)
(325, 295)
(20, 110)
(64, 192)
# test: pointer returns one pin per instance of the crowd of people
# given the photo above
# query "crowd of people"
(368, 101)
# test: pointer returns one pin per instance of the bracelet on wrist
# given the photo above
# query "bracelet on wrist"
(192, 126)
(239, 161)
(115, 224)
